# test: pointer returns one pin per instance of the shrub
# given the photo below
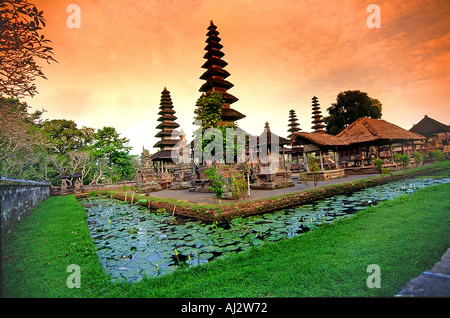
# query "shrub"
(405, 159)
(397, 158)
(313, 169)
(436, 155)
(304, 178)
(218, 182)
(418, 157)
(386, 171)
(378, 163)
(238, 186)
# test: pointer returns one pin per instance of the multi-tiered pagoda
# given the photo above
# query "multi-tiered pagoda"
(215, 76)
(169, 137)
(293, 124)
(317, 116)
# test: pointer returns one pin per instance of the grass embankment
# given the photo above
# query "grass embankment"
(403, 237)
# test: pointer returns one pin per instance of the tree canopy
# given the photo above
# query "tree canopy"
(351, 105)
(65, 136)
(209, 110)
(21, 45)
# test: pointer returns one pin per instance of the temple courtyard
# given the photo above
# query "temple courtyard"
(198, 197)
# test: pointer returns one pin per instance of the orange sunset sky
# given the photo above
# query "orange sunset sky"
(111, 70)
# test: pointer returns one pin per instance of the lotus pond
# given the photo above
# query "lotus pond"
(133, 241)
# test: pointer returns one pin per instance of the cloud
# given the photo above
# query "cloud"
(111, 71)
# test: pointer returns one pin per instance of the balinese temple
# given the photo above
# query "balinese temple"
(297, 150)
(271, 172)
(317, 116)
(293, 124)
(215, 76)
(437, 134)
(370, 138)
(167, 134)
(324, 146)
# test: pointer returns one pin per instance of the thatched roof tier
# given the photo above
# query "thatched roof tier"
(167, 117)
(215, 71)
(167, 124)
(215, 82)
(166, 111)
(166, 132)
(321, 139)
(212, 53)
(428, 127)
(162, 155)
(230, 114)
(213, 60)
(377, 132)
(213, 44)
(165, 142)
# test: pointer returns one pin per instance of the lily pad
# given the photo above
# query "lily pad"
(206, 256)
(257, 242)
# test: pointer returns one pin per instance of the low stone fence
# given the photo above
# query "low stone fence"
(18, 197)
(93, 187)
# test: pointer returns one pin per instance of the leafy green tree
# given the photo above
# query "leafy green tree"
(209, 110)
(108, 145)
(21, 143)
(314, 169)
(65, 136)
(349, 106)
(218, 182)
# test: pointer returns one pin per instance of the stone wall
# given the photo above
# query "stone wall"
(18, 197)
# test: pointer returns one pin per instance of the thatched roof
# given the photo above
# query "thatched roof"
(376, 131)
(429, 126)
(321, 139)
(162, 155)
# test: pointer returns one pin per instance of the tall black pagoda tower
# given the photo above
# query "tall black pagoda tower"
(215, 75)
(317, 116)
(293, 124)
(166, 126)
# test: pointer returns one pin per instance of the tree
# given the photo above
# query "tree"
(20, 140)
(108, 144)
(20, 45)
(209, 110)
(65, 136)
(314, 169)
(349, 106)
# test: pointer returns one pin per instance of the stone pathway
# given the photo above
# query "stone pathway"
(432, 283)
(254, 194)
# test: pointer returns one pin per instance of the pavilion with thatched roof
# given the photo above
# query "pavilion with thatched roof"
(321, 144)
(370, 138)
(436, 132)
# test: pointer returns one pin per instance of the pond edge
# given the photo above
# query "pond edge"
(228, 211)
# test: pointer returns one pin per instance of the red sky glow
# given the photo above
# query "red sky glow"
(111, 71)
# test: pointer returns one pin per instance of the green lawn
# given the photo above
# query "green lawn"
(404, 237)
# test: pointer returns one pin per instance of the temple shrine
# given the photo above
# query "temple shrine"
(168, 135)
(215, 76)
